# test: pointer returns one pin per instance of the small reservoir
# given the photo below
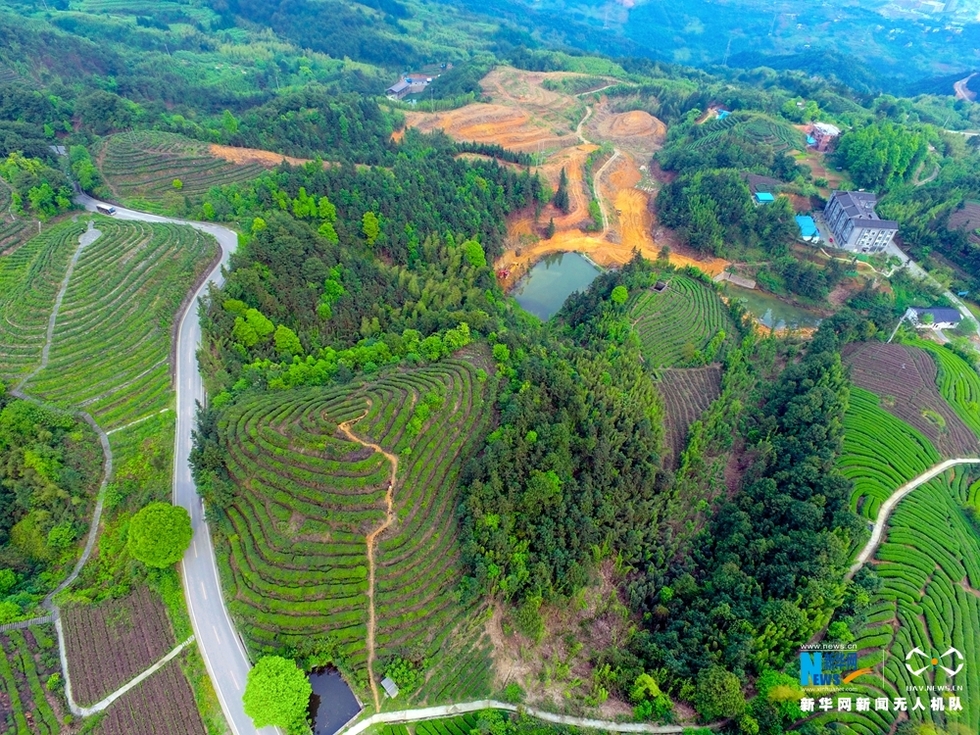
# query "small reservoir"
(771, 311)
(552, 280)
(332, 704)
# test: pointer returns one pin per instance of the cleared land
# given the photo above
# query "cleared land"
(28, 658)
(930, 566)
(687, 393)
(110, 643)
(905, 380)
(140, 167)
(967, 218)
(121, 301)
(679, 322)
(161, 705)
(958, 383)
(558, 128)
(296, 563)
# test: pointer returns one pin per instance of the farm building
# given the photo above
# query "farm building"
(763, 197)
(856, 226)
(808, 228)
(934, 317)
(408, 85)
(822, 135)
(390, 687)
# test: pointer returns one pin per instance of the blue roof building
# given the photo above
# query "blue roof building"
(808, 228)
(722, 114)
(764, 197)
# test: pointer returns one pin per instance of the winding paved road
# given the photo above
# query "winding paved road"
(222, 649)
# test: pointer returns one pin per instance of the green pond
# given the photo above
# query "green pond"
(772, 312)
(552, 280)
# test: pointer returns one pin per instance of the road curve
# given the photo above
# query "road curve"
(222, 649)
(889, 505)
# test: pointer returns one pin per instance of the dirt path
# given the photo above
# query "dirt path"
(371, 537)
(886, 508)
(598, 191)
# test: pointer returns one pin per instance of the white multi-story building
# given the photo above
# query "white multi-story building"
(851, 217)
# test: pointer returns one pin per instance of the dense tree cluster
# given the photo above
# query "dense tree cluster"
(48, 473)
(769, 564)
(37, 187)
(881, 154)
(426, 191)
(713, 209)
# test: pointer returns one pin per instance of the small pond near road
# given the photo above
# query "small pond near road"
(770, 311)
(552, 280)
(333, 703)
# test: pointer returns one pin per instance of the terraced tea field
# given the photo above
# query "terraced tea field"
(881, 452)
(27, 659)
(110, 349)
(930, 565)
(904, 378)
(675, 324)
(29, 282)
(687, 393)
(140, 168)
(13, 230)
(311, 491)
(958, 383)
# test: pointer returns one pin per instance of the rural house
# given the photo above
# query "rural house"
(934, 317)
(821, 136)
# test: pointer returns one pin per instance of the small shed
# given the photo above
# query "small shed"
(764, 197)
(390, 687)
(660, 286)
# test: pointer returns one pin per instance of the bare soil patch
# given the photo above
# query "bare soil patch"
(253, 155)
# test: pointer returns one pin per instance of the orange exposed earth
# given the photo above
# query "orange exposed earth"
(561, 130)
(252, 155)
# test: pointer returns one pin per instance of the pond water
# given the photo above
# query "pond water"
(772, 312)
(552, 280)
(333, 703)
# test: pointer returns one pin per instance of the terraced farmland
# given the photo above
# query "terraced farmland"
(27, 659)
(112, 337)
(29, 281)
(162, 705)
(687, 393)
(881, 452)
(930, 565)
(110, 643)
(295, 562)
(140, 167)
(904, 378)
(958, 383)
(13, 230)
(678, 322)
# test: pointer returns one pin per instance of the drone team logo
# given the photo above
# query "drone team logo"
(917, 656)
(829, 668)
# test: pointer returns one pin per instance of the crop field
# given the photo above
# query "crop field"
(904, 378)
(459, 725)
(140, 167)
(958, 383)
(687, 393)
(110, 643)
(676, 323)
(881, 452)
(160, 705)
(295, 563)
(121, 301)
(13, 230)
(29, 281)
(29, 658)
(930, 566)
